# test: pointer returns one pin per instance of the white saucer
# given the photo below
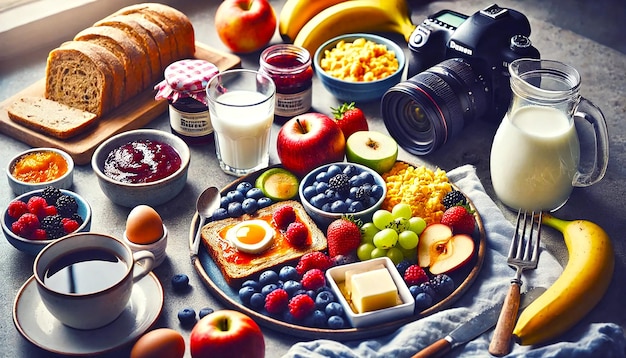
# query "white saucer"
(37, 325)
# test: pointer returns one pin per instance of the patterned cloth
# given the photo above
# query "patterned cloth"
(186, 78)
(594, 340)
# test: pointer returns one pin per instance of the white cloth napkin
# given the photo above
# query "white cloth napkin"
(595, 340)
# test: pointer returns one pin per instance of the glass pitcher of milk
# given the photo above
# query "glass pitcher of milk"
(536, 152)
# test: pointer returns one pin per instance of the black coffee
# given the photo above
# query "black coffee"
(84, 271)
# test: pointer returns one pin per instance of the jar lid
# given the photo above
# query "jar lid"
(186, 78)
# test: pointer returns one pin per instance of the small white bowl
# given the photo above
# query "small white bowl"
(336, 275)
(19, 187)
(157, 248)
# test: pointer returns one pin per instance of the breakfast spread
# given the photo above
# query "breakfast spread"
(142, 161)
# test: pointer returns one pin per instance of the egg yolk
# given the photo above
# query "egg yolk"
(250, 234)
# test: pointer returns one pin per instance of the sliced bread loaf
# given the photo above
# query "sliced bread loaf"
(50, 117)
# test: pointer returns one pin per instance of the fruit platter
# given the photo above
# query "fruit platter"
(232, 292)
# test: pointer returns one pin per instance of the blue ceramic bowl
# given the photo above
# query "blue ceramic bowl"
(152, 193)
(34, 246)
(323, 217)
(359, 91)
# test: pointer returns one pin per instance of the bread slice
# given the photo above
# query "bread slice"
(236, 266)
(50, 117)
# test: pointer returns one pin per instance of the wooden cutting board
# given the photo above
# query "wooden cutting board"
(135, 113)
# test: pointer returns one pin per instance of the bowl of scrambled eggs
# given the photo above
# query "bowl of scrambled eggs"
(359, 67)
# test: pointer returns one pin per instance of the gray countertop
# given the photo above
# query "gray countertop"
(603, 75)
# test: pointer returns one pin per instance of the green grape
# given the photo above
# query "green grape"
(378, 252)
(408, 239)
(402, 210)
(400, 224)
(368, 230)
(364, 251)
(417, 225)
(382, 218)
(386, 238)
(395, 254)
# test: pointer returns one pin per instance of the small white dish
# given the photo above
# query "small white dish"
(157, 248)
(38, 326)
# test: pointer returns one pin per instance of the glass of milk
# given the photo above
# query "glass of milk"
(536, 152)
(241, 105)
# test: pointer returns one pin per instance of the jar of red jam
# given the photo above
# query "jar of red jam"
(184, 87)
(290, 68)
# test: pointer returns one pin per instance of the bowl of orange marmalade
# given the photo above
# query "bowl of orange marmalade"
(38, 168)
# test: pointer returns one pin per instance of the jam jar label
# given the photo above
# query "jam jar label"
(191, 124)
(289, 105)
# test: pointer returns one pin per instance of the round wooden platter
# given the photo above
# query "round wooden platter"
(213, 279)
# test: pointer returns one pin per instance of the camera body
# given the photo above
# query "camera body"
(489, 40)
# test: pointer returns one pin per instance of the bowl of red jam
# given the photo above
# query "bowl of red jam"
(143, 166)
(38, 168)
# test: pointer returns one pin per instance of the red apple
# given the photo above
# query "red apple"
(245, 25)
(442, 251)
(226, 333)
(308, 141)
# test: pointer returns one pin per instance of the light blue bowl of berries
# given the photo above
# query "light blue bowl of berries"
(36, 218)
(342, 189)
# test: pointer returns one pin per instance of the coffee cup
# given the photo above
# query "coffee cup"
(85, 279)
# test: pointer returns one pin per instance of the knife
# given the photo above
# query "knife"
(474, 327)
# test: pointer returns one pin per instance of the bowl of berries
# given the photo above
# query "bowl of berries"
(342, 189)
(36, 218)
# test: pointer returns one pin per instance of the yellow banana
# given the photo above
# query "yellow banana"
(581, 285)
(296, 13)
(355, 16)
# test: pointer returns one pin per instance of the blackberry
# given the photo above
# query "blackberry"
(66, 206)
(76, 217)
(51, 194)
(363, 193)
(53, 226)
(442, 284)
(340, 183)
(454, 198)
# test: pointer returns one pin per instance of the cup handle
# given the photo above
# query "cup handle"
(592, 114)
(145, 261)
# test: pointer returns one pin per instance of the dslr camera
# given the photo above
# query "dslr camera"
(458, 71)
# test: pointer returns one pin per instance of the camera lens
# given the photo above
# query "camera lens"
(429, 109)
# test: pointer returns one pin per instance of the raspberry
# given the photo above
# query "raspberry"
(36, 205)
(414, 275)
(69, 225)
(26, 224)
(284, 216)
(276, 301)
(313, 260)
(301, 306)
(66, 206)
(297, 234)
(39, 234)
(51, 194)
(50, 210)
(313, 279)
(17, 208)
(18, 228)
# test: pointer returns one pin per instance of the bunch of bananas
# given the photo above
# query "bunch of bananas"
(309, 23)
(581, 285)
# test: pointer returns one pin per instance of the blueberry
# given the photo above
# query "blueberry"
(235, 196)
(205, 312)
(252, 283)
(338, 206)
(319, 200)
(250, 205)
(292, 287)
(402, 266)
(350, 170)
(287, 273)
(353, 191)
(264, 202)
(224, 201)
(367, 177)
(235, 209)
(321, 177)
(376, 191)
(321, 187)
(288, 317)
(243, 187)
(311, 294)
(257, 300)
(423, 300)
(267, 277)
(427, 288)
(333, 170)
(245, 293)
(355, 207)
(323, 299)
(255, 193)
(187, 316)
(335, 322)
(355, 181)
(268, 288)
(334, 309)
(180, 282)
(301, 291)
(219, 214)
(415, 289)
(326, 207)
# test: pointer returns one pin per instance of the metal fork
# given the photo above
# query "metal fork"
(523, 255)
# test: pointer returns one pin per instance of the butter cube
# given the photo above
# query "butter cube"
(373, 290)
(350, 273)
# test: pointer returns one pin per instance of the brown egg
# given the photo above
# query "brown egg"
(144, 225)
(159, 343)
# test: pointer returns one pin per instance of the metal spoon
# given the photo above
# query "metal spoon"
(206, 204)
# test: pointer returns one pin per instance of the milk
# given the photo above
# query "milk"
(534, 158)
(243, 132)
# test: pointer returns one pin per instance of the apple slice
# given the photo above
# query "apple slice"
(443, 252)
(372, 149)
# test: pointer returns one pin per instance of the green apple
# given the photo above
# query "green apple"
(373, 149)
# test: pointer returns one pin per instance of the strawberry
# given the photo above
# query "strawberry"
(460, 218)
(343, 237)
(350, 119)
